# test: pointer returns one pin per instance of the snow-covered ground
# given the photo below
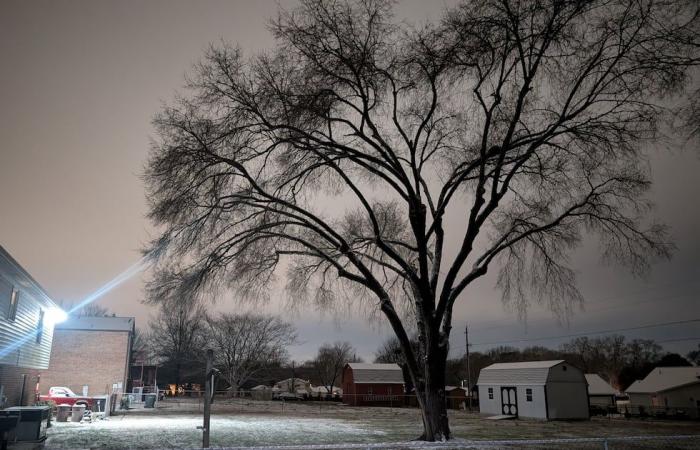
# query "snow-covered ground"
(176, 431)
(247, 423)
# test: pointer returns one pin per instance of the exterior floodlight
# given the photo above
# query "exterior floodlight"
(56, 315)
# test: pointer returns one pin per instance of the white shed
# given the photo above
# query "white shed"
(537, 389)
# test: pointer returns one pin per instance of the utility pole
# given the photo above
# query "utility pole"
(469, 378)
(208, 391)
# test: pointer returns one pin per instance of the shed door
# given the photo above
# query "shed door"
(509, 401)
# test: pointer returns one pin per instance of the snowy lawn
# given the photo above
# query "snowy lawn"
(248, 423)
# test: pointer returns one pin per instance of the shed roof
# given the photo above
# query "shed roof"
(516, 373)
(598, 386)
(376, 373)
(664, 379)
(97, 324)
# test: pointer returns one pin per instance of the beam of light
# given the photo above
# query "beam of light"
(56, 315)
(16, 345)
(132, 270)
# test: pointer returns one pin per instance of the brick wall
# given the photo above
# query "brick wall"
(11, 381)
(97, 359)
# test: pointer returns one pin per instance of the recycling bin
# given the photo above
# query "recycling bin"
(150, 401)
(77, 413)
(62, 413)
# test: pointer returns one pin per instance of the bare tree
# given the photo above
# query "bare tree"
(612, 356)
(176, 335)
(329, 362)
(244, 344)
(390, 351)
(92, 310)
(393, 167)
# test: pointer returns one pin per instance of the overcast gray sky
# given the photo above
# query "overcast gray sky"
(79, 84)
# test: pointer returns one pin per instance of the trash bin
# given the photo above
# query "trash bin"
(125, 402)
(77, 413)
(150, 401)
(62, 413)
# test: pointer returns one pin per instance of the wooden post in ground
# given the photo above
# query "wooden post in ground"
(208, 390)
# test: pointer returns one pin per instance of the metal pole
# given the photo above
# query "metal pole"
(469, 378)
(207, 398)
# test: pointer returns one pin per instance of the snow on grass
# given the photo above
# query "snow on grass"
(250, 423)
(181, 431)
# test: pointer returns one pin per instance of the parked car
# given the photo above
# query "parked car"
(64, 396)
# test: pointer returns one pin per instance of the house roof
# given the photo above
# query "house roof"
(598, 386)
(97, 324)
(376, 373)
(664, 379)
(11, 266)
(517, 373)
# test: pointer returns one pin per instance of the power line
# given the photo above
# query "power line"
(641, 327)
(605, 308)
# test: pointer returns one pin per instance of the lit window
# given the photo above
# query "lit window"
(490, 393)
(528, 395)
(40, 327)
(14, 301)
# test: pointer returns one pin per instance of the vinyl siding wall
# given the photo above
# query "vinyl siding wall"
(29, 354)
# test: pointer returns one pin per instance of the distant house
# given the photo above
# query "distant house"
(667, 388)
(261, 392)
(90, 353)
(294, 385)
(600, 393)
(372, 384)
(538, 389)
(27, 318)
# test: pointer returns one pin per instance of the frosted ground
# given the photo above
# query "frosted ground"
(249, 423)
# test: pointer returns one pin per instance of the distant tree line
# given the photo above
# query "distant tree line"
(244, 344)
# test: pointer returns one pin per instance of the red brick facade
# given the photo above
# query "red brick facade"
(94, 358)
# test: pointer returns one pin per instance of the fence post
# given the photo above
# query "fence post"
(208, 391)
(605, 444)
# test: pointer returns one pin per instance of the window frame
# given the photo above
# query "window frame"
(40, 326)
(14, 303)
(528, 394)
(490, 393)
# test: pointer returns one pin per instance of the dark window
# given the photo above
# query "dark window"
(490, 393)
(40, 327)
(528, 394)
(14, 301)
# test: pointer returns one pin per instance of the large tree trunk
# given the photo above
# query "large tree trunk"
(431, 397)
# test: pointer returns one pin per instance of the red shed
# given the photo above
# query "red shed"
(372, 384)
